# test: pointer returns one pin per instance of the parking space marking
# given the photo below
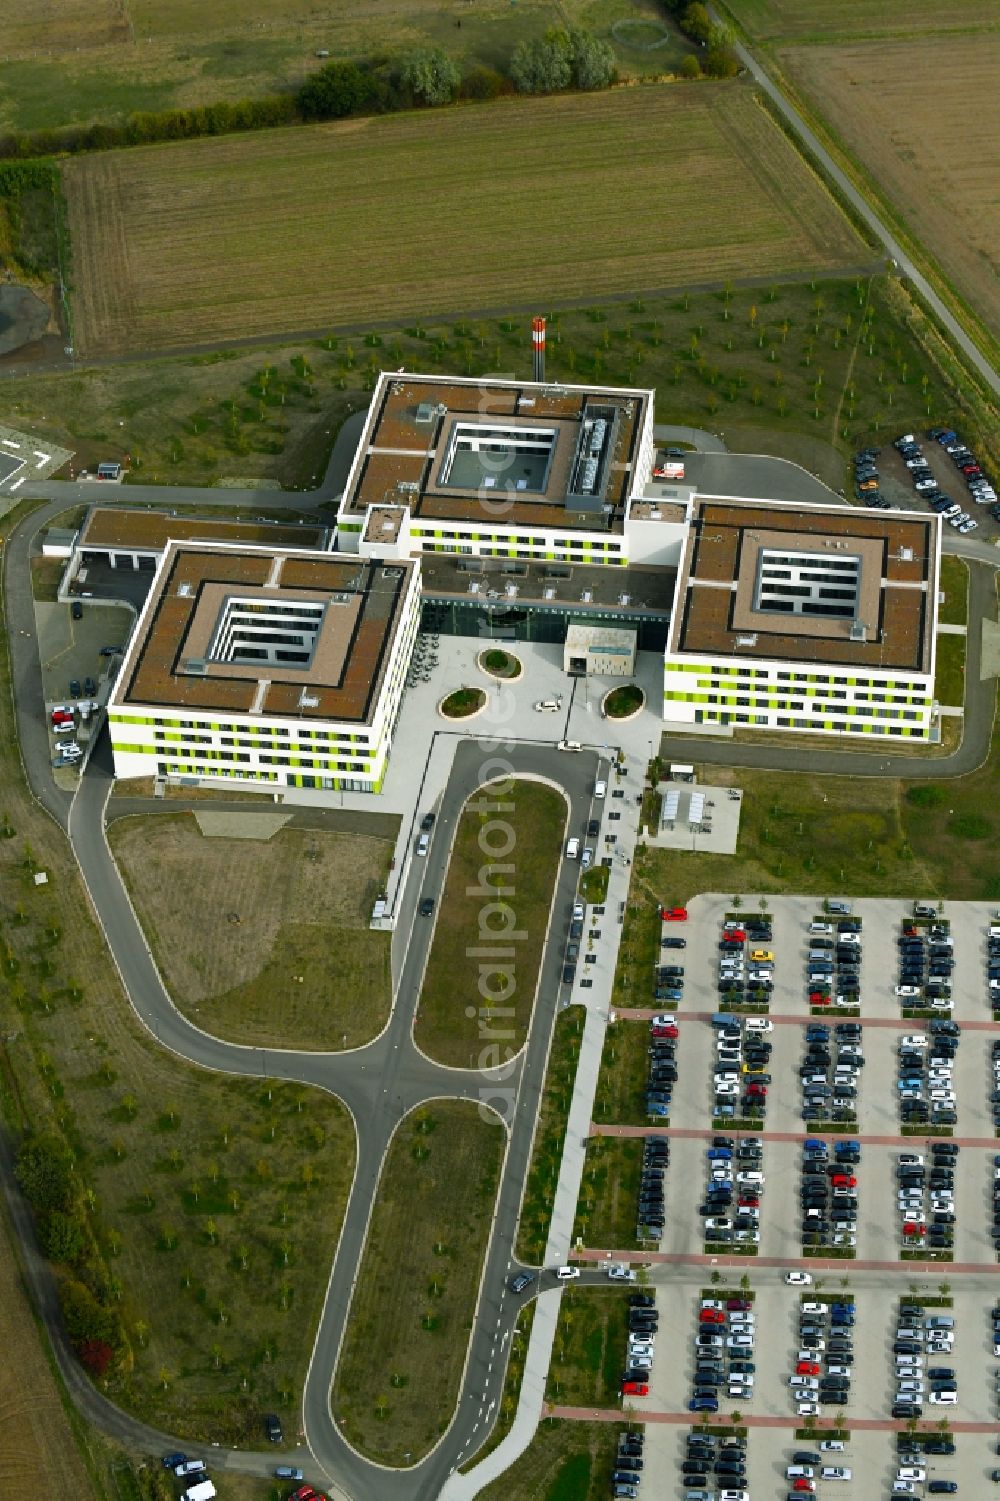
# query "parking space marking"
(756, 1420)
(789, 1019)
(908, 1143)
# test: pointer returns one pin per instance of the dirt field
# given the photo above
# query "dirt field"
(303, 228)
(938, 165)
(116, 57)
(38, 1452)
(825, 20)
(264, 942)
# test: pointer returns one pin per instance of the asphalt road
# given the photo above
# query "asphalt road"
(859, 203)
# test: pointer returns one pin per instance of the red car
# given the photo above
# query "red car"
(912, 1229)
(673, 914)
(804, 1485)
(807, 1368)
(711, 1316)
(635, 1389)
(746, 1201)
(911, 932)
(59, 716)
(664, 1031)
(734, 935)
(819, 998)
(844, 1180)
(304, 1493)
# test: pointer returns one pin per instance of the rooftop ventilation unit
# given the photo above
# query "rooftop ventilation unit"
(548, 592)
(407, 487)
(906, 554)
(341, 599)
(308, 700)
(624, 599)
(194, 667)
(587, 596)
(511, 591)
(859, 631)
(425, 414)
(746, 640)
(470, 565)
(474, 586)
(184, 591)
(390, 573)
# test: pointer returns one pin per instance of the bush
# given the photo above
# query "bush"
(61, 1237)
(543, 66)
(45, 1173)
(690, 67)
(720, 59)
(593, 61)
(338, 89)
(970, 826)
(84, 1317)
(484, 83)
(928, 795)
(431, 76)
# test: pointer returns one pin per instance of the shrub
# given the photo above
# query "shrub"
(970, 826)
(484, 83)
(45, 1173)
(84, 1317)
(431, 76)
(690, 67)
(721, 62)
(61, 1237)
(95, 1356)
(927, 795)
(697, 23)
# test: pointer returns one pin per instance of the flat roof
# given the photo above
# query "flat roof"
(354, 607)
(501, 453)
(496, 583)
(879, 569)
(150, 531)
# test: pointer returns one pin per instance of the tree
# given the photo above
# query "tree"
(593, 64)
(61, 1236)
(44, 1172)
(338, 89)
(697, 23)
(431, 76)
(690, 67)
(544, 65)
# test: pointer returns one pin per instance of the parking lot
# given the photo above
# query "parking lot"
(712, 1033)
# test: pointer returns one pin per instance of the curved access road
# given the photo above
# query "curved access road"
(864, 209)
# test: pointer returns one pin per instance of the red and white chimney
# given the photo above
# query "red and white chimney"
(538, 347)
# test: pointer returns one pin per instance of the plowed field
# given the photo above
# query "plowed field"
(437, 213)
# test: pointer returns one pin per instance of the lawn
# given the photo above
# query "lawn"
(802, 833)
(621, 1084)
(609, 1193)
(949, 671)
(211, 1205)
(589, 1349)
(550, 1134)
(525, 831)
(744, 360)
(38, 1445)
(186, 243)
(955, 588)
(45, 576)
(564, 1462)
(263, 941)
(906, 147)
(954, 830)
(401, 1363)
(178, 53)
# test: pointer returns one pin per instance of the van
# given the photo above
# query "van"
(758, 1024)
(600, 790)
(761, 956)
(569, 745)
(724, 1019)
(423, 844)
(940, 1321)
(64, 727)
(924, 909)
(820, 927)
(572, 849)
(204, 1490)
(842, 909)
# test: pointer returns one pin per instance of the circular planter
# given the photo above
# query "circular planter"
(624, 703)
(499, 664)
(463, 703)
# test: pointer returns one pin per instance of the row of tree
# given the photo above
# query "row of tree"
(562, 59)
(46, 1174)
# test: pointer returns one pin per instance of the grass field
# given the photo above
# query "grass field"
(38, 1448)
(397, 1380)
(184, 244)
(563, 1462)
(621, 1083)
(263, 941)
(453, 1023)
(938, 166)
(550, 1135)
(215, 1203)
(116, 58)
(589, 1348)
(955, 588)
(949, 671)
(825, 20)
(606, 1211)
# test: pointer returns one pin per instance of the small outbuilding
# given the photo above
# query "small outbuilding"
(599, 651)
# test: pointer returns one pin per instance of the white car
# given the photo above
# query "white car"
(943, 1399)
(838, 1370)
(189, 1467)
(968, 525)
(547, 706)
(912, 1385)
(567, 1273)
(834, 1472)
(903, 1488)
(912, 1472)
(907, 990)
(807, 1409)
(832, 1446)
(740, 1342)
(808, 1383)
(621, 1273)
(801, 1279)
